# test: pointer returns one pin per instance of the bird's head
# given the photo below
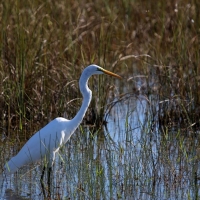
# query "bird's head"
(95, 69)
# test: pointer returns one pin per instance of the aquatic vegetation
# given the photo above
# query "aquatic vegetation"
(140, 136)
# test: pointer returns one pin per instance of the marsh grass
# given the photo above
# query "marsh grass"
(149, 148)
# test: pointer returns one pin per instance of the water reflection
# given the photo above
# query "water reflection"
(11, 195)
(132, 158)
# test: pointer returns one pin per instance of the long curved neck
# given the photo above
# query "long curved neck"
(87, 96)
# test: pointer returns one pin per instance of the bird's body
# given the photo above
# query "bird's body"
(47, 141)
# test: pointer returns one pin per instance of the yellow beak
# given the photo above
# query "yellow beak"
(110, 73)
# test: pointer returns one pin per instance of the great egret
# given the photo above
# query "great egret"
(47, 141)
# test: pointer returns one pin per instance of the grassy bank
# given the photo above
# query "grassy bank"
(45, 46)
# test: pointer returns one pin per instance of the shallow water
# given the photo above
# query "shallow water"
(132, 158)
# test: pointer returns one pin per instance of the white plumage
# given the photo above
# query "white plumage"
(47, 141)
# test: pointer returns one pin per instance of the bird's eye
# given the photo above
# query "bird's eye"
(98, 69)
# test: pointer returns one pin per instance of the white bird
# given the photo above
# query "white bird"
(47, 141)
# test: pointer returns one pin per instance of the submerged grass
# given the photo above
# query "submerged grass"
(149, 149)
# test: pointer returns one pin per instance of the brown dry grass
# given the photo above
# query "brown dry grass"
(45, 46)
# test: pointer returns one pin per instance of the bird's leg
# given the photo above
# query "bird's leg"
(49, 181)
(42, 182)
(42, 176)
